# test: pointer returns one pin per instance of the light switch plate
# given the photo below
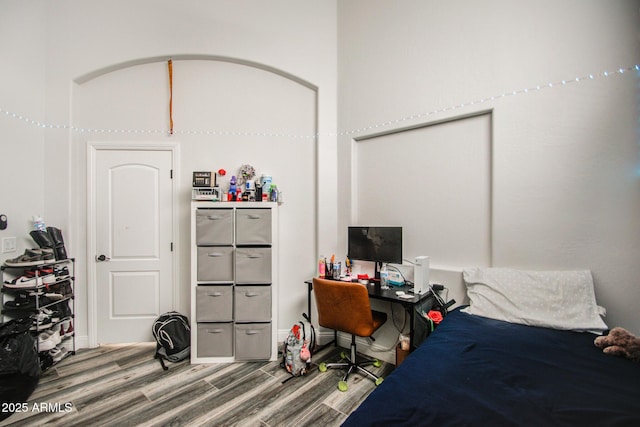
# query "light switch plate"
(8, 244)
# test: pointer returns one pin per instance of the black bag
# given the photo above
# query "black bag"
(19, 363)
(173, 337)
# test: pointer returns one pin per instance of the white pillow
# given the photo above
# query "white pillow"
(553, 299)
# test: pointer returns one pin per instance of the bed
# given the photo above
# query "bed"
(520, 354)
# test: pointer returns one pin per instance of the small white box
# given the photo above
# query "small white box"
(421, 275)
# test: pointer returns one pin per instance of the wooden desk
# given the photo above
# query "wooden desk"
(376, 292)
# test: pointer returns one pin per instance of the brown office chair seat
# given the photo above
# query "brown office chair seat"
(345, 307)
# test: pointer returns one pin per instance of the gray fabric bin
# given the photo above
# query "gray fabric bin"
(253, 226)
(214, 227)
(214, 303)
(215, 339)
(253, 341)
(215, 263)
(253, 265)
(252, 303)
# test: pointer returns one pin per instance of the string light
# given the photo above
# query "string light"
(366, 129)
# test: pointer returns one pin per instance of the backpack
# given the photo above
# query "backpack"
(173, 337)
(296, 354)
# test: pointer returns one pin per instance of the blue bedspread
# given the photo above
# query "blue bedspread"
(476, 371)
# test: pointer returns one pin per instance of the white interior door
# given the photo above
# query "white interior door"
(133, 247)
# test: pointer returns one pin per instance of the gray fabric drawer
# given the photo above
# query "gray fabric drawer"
(253, 226)
(215, 263)
(215, 340)
(253, 265)
(253, 341)
(214, 227)
(252, 303)
(214, 303)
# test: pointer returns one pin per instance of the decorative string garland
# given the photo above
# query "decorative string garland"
(171, 131)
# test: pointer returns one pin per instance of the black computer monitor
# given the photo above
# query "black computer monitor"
(376, 244)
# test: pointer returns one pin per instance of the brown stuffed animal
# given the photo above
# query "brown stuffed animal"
(620, 342)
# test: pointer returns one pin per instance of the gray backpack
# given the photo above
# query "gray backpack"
(173, 337)
(296, 354)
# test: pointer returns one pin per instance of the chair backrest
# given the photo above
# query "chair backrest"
(343, 306)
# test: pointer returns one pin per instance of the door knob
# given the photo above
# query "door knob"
(102, 258)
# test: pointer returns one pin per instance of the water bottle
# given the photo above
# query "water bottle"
(38, 223)
(384, 275)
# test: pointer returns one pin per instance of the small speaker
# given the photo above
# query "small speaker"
(421, 275)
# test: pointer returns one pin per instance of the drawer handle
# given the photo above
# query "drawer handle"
(254, 217)
(214, 217)
(251, 294)
(214, 331)
(252, 331)
(254, 256)
(215, 254)
(215, 294)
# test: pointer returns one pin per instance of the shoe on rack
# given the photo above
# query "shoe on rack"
(61, 272)
(54, 296)
(29, 257)
(41, 321)
(57, 353)
(42, 238)
(23, 282)
(47, 254)
(54, 315)
(21, 304)
(39, 271)
(48, 340)
(58, 242)
(68, 328)
(46, 361)
(64, 309)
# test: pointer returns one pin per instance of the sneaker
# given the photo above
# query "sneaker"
(54, 315)
(48, 340)
(41, 321)
(54, 296)
(29, 257)
(57, 353)
(42, 271)
(61, 272)
(23, 282)
(48, 254)
(47, 279)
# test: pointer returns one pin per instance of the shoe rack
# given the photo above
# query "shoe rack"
(43, 295)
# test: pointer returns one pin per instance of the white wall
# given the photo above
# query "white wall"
(84, 47)
(565, 162)
(22, 167)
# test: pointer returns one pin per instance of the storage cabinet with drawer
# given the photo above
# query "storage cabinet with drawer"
(233, 281)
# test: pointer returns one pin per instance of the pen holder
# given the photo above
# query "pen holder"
(337, 269)
(328, 271)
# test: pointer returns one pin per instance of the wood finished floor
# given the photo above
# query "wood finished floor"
(123, 385)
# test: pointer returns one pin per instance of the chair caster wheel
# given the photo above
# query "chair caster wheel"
(379, 381)
(342, 386)
(377, 363)
(322, 367)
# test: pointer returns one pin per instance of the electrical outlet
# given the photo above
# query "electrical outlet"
(8, 244)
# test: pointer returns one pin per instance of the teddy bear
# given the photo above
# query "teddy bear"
(620, 342)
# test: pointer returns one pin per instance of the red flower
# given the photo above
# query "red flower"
(435, 316)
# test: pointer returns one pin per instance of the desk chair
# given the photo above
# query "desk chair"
(344, 306)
